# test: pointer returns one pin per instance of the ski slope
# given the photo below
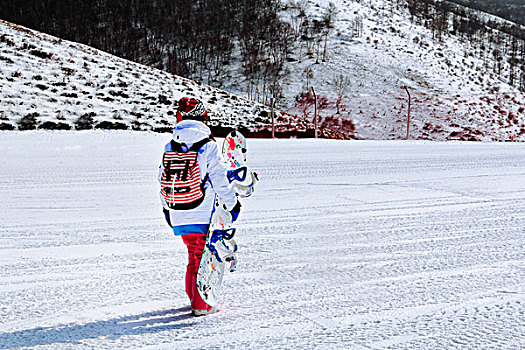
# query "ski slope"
(345, 245)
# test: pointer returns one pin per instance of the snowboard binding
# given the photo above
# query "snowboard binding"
(243, 181)
(223, 247)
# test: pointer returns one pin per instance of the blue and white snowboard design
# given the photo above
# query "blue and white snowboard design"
(220, 247)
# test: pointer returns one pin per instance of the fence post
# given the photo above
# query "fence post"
(315, 112)
(408, 118)
(272, 104)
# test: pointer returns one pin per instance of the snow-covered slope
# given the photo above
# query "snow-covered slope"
(344, 245)
(57, 82)
(374, 45)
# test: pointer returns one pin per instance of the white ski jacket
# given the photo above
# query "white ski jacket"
(189, 132)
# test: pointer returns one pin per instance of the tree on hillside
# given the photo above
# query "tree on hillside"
(522, 75)
(298, 15)
(513, 60)
(308, 75)
(341, 84)
(328, 18)
(440, 20)
(265, 43)
(495, 42)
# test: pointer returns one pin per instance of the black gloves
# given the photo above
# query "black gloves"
(167, 216)
(236, 210)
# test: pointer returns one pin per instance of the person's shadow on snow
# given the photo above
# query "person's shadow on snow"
(152, 322)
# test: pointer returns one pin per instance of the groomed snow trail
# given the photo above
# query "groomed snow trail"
(345, 245)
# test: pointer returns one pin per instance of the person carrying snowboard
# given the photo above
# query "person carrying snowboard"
(190, 176)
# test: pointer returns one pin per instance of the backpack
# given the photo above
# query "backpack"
(181, 184)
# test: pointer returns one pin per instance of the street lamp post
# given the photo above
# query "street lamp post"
(408, 118)
(315, 113)
(272, 104)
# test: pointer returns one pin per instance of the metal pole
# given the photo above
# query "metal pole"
(315, 112)
(408, 119)
(272, 103)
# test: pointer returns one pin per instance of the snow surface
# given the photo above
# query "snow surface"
(345, 245)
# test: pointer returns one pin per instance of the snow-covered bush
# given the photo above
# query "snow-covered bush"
(85, 121)
(107, 125)
(28, 122)
(50, 125)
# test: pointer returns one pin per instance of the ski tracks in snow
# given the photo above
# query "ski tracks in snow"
(354, 245)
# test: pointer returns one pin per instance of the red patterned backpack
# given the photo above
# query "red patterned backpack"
(181, 184)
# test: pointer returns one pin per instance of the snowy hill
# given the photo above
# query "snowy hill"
(49, 83)
(379, 51)
(372, 44)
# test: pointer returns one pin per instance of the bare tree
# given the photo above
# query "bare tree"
(329, 15)
(513, 60)
(341, 84)
(309, 75)
(265, 43)
(298, 15)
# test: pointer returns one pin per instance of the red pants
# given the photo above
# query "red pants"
(195, 245)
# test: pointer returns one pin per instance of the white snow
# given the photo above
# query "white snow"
(77, 79)
(345, 245)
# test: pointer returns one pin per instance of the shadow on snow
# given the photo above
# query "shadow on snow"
(152, 322)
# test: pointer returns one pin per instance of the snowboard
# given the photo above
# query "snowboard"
(220, 248)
